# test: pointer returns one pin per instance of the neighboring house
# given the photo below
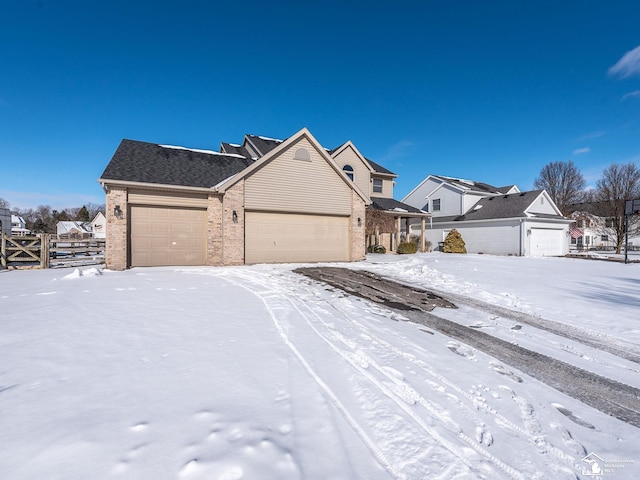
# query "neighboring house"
(592, 232)
(494, 220)
(5, 221)
(99, 226)
(262, 201)
(73, 230)
(19, 226)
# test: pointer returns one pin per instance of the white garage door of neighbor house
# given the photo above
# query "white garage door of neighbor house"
(547, 242)
(162, 236)
(285, 238)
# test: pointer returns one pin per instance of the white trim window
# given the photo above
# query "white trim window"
(377, 185)
(348, 170)
(436, 204)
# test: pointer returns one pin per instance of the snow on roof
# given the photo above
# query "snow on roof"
(269, 139)
(461, 180)
(398, 209)
(209, 152)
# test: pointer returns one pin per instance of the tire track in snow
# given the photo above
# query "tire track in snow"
(609, 396)
(400, 393)
(377, 452)
(482, 435)
(592, 338)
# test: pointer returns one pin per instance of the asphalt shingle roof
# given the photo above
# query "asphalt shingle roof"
(513, 205)
(470, 184)
(388, 204)
(144, 162)
(234, 149)
(379, 168)
(263, 144)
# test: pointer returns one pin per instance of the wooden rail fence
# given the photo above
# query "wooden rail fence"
(46, 251)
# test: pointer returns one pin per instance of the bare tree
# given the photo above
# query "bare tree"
(563, 182)
(618, 184)
(377, 222)
(3, 203)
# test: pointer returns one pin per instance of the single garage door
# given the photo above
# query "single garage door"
(547, 242)
(286, 238)
(168, 236)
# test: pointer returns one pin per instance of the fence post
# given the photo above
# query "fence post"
(44, 250)
(3, 251)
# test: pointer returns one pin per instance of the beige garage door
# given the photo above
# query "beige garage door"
(285, 238)
(168, 236)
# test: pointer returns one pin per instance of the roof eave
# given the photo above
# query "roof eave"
(106, 182)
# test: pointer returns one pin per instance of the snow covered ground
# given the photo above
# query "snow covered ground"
(259, 373)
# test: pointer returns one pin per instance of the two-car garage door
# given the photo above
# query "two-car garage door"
(168, 236)
(163, 236)
(289, 237)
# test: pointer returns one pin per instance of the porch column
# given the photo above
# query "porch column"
(398, 227)
(422, 236)
(406, 228)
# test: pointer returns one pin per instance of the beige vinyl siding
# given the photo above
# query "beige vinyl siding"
(361, 173)
(285, 238)
(286, 184)
(162, 236)
(387, 188)
(166, 198)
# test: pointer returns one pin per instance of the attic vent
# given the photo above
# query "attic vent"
(302, 154)
(522, 194)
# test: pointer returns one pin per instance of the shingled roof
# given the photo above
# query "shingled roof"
(379, 168)
(390, 204)
(513, 205)
(144, 162)
(263, 144)
(470, 184)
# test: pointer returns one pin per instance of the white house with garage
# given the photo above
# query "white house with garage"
(492, 220)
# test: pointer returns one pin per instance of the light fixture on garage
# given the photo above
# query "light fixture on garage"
(234, 216)
(359, 222)
(528, 232)
(117, 211)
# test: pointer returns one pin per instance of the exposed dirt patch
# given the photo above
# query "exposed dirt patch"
(377, 289)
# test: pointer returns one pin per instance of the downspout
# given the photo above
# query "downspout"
(522, 237)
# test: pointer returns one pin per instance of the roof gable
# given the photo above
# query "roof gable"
(279, 149)
(514, 205)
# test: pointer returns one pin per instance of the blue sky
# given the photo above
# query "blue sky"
(489, 91)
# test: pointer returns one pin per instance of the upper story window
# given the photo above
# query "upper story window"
(348, 169)
(436, 205)
(377, 185)
(302, 154)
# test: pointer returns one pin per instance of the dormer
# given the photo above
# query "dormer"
(371, 178)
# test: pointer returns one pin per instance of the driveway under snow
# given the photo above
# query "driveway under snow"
(257, 372)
